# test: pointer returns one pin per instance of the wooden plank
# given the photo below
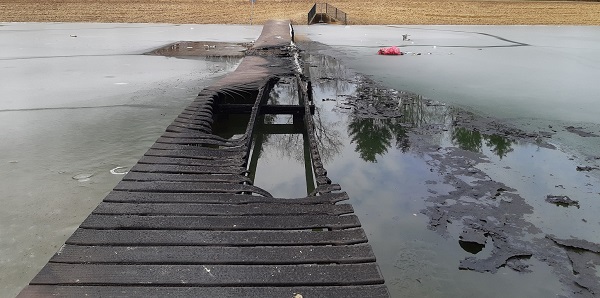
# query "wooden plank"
(204, 127)
(190, 255)
(199, 154)
(189, 187)
(193, 135)
(138, 176)
(226, 148)
(202, 114)
(190, 161)
(195, 141)
(221, 209)
(207, 275)
(221, 151)
(195, 118)
(229, 223)
(274, 129)
(365, 291)
(214, 198)
(180, 128)
(219, 238)
(200, 121)
(177, 169)
(211, 142)
(204, 99)
(202, 106)
(205, 111)
(186, 122)
(225, 108)
(240, 148)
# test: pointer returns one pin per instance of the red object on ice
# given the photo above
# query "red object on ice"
(393, 50)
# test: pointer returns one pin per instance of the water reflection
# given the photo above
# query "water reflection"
(471, 247)
(473, 140)
(467, 139)
(380, 118)
(328, 138)
(373, 137)
(494, 193)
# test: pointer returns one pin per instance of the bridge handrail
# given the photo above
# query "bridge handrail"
(327, 9)
(335, 13)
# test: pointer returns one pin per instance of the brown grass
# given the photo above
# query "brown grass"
(359, 11)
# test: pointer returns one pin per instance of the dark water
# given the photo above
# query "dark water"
(401, 159)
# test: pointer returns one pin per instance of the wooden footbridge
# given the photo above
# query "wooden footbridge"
(186, 221)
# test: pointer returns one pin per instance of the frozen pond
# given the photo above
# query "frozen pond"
(77, 101)
(80, 100)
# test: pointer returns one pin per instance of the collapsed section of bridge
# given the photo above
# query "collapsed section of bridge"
(188, 221)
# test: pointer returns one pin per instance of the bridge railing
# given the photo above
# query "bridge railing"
(335, 13)
(325, 9)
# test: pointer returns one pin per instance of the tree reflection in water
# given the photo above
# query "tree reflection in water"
(472, 140)
(371, 136)
(382, 117)
(290, 144)
(499, 145)
(467, 139)
(379, 118)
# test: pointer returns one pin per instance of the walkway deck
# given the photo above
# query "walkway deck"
(186, 221)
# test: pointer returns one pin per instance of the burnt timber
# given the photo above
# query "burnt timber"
(187, 221)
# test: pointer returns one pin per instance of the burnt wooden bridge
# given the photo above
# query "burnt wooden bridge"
(187, 220)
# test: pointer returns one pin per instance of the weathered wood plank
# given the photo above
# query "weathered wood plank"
(203, 121)
(221, 209)
(210, 142)
(193, 135)
(217, 198)
(204, 111)
(229, 223)
(265, 255)
(180, 128)
(366, 291)
(194, 141)
(211, 238)
(198, 107)
(198, 154)
(190, 187)
(223, 151)
(205, 127)
(138, 176)
(207, 275)
(191, 162)
(177, 169)
(196, 118)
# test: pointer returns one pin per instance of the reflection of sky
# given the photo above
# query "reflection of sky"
(389, 194)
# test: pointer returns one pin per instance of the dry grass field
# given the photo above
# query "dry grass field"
(480, 12)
